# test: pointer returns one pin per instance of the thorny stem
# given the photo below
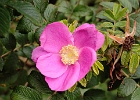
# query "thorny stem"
(114, 26)
(23, 59)
(5, 54)
(51, 95)
(116, 60)
(13, 51)
(125, 74)
(9, 52)
(72, 11)
(137, 11)
(119, 55)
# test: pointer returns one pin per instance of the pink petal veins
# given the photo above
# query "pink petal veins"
(55, 36)
(51, 66)
(37, 52)
(88, 35)
(65, 81)
(86, 59)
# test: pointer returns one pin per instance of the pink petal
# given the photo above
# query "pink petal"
(99, 40)
(88, 35)
(37, 52)
(51, 66)
(55, 36)
(65, 81)
(83, 26)
(86, 59)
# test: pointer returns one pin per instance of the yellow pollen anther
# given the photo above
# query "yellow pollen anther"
(69, 54)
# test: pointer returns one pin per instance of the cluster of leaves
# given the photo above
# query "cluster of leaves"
(124, 64)
(21, 23)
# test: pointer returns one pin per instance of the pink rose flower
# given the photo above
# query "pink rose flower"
(65, 58)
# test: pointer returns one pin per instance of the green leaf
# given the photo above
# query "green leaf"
(65, 7)
(135, 47)
(106, 43)
(89, 75)
(83, 82)
(4, 21)
(41, 4)
(121, 14)
(94, 94)
(31, 37)
(1, 64)
(38, 33)
(93, 81)
(136, 75)
(126, 4)
(137, 18)
(124, 98)
(125, 58)
(81, 10)
(127, 87)
(120, 24)
(116, 9)
(134, 62)
(134, 3)
(4, 1)
(73, 26)
(25, 93)
(1, 49)
(95, 69)
(27, 50)
(21, 38)
(37, 81)
(107, 24)
(64, 21)
(108, 5)
(108, 13)
(25, 25)
(136, 94)
(75, 95)
(22, 74)
(9, 79)
(28, 10)
(11, 62)
(99, 65)
(101, 16)
(9, 42)
(57, 97)
(73, 87)
(50, 13)
(117, 32)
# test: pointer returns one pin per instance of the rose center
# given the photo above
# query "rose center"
(69, 54)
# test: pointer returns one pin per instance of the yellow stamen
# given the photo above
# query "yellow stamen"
(69, 54)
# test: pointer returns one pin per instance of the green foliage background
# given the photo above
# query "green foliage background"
(21, 23)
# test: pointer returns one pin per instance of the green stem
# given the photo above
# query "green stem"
(119, 55)
(114, 26)
(9, 52)
(51, 95)
(73, 8)
(13, 50)
(124, 73)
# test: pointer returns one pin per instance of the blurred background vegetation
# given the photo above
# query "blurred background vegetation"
(21, 23)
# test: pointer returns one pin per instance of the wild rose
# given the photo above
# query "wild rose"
(65, 58)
